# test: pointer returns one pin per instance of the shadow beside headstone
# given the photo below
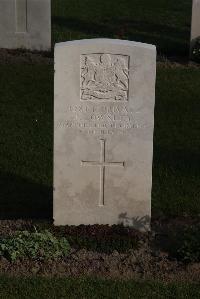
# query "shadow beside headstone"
(20, 198)
(138, 223)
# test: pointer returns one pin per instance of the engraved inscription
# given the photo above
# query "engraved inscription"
(104, 77)
(21, 16)
(106, 119)
(102, 164)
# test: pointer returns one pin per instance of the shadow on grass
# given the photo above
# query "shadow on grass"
(139, 223)
(175, 188)
(24, 199)
(170, 40)
(183, 160)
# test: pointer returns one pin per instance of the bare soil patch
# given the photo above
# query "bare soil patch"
(23, 56)
(151, 260)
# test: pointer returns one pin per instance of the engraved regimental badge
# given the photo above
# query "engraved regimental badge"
(104, 77)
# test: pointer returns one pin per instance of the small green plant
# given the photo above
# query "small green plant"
(35, 245)
(196, 51)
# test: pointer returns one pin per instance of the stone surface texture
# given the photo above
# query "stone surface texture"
(195, 26)
(25, 24)
(103, 132)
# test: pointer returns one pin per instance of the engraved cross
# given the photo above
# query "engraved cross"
(102, 164)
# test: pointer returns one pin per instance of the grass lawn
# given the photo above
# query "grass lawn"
(34, 288)
(165, 23)
(27, 141)
(176, 171)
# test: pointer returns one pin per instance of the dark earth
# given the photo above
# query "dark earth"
(151, 260)
(24, 56)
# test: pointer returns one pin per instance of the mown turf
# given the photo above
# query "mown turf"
(176, 171)
(26, 93)
(34, 288)
(165, 23)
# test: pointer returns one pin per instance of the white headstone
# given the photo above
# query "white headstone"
(103, 134)
(195, 26)
(25, 24)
